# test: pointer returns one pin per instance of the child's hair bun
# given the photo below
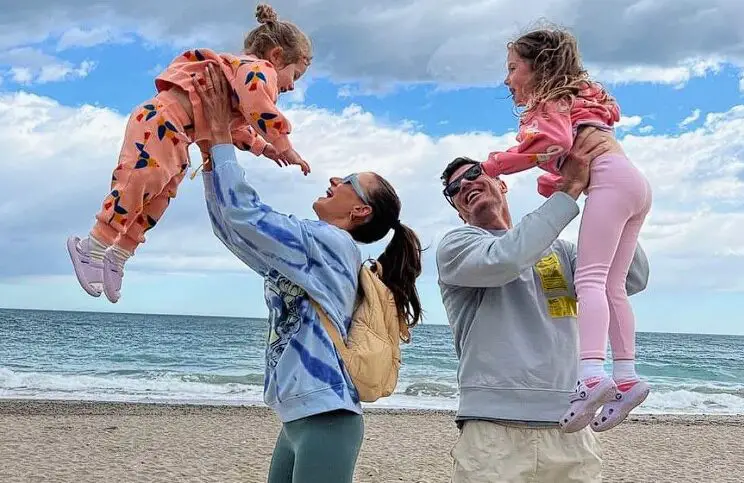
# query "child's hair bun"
(266, 14)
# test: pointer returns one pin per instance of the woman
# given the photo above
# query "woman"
(305, 381)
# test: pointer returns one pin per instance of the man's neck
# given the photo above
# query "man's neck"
(496, 222)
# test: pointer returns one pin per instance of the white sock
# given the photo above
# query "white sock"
(623, 371)
(120, 256)
(96, 248)
(589, 368)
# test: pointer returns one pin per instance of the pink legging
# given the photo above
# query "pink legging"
(618, 200)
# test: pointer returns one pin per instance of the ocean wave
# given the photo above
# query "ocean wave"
(669, 395)
(131, 386)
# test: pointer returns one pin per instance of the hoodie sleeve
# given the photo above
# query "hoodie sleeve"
(320, 258)
(544, 138)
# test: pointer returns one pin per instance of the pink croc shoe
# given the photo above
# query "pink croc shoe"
(628, 396)
(112, 277)
(87, 271)
(588, 397)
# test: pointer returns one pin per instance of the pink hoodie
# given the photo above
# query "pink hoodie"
(546, 135)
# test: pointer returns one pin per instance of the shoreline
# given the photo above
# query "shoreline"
(80, 407)
(89, 442)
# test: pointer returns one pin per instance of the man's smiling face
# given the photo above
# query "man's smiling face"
(478, 198)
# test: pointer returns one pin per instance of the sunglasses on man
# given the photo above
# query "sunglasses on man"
(453, 187)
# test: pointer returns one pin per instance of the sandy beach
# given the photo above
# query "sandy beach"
(47, 441)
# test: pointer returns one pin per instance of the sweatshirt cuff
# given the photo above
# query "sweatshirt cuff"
(560, 209)
(208, 185)
(222, 153)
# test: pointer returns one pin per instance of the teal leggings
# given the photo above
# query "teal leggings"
(318, 449)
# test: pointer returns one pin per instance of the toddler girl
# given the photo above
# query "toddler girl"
(546, 77)
(154, 156)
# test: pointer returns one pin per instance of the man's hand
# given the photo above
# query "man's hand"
(590, 143)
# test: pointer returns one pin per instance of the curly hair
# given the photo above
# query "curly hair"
(557, 71)
(272, 32)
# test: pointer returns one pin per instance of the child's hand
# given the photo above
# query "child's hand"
(271, 153)
(290, 156)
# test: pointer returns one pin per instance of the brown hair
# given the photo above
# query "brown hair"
(401, 259)
(272, 33)
(557, 71)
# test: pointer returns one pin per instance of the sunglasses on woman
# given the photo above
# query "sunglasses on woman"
(453, 187)
(353, 180)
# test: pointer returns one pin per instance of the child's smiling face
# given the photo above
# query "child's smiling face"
(518, 78)
(287, 76)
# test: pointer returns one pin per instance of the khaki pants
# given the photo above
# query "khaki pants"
(488, 452)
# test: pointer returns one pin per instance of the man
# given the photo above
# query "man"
(509, 296)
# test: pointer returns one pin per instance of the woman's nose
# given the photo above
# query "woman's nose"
(335, 181)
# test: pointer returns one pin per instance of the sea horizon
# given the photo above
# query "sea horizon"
(215, 360)
(250, 317)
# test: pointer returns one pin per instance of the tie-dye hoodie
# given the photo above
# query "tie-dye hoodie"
(304, 374)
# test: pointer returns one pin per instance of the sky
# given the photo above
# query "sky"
(400, 88)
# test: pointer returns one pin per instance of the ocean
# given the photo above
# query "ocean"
(219, 360)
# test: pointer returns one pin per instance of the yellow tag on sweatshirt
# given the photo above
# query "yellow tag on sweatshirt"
(562, 307)
(550, 273)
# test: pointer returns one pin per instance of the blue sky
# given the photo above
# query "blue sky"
(401, 102)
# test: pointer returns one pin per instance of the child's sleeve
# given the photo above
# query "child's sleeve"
(543, 139)
(548, 183)
(255, 86)
(245, 138)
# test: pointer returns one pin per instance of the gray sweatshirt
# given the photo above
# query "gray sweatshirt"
(510, 301)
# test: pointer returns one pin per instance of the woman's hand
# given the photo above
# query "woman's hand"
(216, 99)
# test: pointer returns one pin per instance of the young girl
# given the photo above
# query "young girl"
(154, 156)
(546, 77)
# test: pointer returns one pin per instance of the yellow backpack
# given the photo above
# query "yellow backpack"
(371, 353)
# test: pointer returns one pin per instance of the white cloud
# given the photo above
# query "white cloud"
(451, 43)
(694, 116)
(646, 129)
(741, 82)
(21, 75)
(29, 65)
(627, 123)
(57, 163)
(677, 75)
(77, 37)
